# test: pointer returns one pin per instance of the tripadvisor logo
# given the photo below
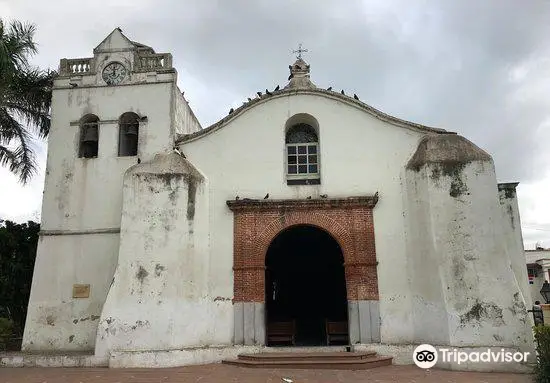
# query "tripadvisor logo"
(426, 356)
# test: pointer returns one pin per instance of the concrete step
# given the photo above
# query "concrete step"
(304, 349)
(314, 360)
(288, 356)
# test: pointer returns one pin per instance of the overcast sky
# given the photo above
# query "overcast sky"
(480, 68)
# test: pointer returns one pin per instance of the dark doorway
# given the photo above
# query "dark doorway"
(305, 286)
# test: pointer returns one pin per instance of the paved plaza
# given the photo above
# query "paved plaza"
(218, 373)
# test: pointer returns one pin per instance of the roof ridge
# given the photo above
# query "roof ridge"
(290, 91)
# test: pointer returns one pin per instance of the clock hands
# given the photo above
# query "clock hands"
(114, 73)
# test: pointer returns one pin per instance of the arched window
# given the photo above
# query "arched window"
(128, 134)
(302, 150)
(89, 136)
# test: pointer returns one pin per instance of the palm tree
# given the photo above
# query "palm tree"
(25, 99)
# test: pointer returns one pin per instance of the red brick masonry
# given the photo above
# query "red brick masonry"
(348, 220)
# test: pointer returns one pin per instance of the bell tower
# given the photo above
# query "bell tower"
(111, 111)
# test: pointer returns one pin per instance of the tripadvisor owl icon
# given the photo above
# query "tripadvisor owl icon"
(425, 356)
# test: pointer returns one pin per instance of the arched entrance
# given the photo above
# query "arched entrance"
(257, 225)
(305, 288)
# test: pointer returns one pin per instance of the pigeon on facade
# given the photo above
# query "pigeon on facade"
(355, 96)
(290, 77)
(277, 88)
(139, 160)
(267, 92)
(290, 67)
(237, 198)
(323, 196)
(342, 92)
(259, 94)
(72, 84)
(329, 88)
(249, 99)
(231, 110)
(308, 197)
(266, 196)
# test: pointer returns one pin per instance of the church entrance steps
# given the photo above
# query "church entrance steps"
(50, 359)
(312, 360)
(305, 349)
(307, 356)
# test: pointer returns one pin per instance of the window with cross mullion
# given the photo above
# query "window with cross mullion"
(302, 150)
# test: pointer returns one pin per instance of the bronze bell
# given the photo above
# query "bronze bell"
(132, 130)
(91, 134)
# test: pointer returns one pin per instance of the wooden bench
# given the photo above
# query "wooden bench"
(281, 332)
(337, 331)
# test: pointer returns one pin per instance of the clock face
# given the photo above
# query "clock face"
(114, 73)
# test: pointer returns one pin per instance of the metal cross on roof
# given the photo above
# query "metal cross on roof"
(299, 51)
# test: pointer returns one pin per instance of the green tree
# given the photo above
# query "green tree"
(25, 99)
(18, 244)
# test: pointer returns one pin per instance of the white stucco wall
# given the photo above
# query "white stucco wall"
(451, 244)
(173, 284)
(75, 187)
(428, 311)
(82, 199)
(465, 292)
(359, 155)
(159, 298)
(55, 320)
(185, 121)
(513, 238)
(86, 194)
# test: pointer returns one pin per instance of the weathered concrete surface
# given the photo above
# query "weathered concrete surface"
(249, 319)
(438, 218)
(374, 155)
(21, 359)
(86, 194)
(174, 358)
(159, 296)
(446, 149)
(514, 238)
(56, 320)
(458, 253)
(364, 321)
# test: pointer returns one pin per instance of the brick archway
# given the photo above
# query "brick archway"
(257, 222)
(308, 217)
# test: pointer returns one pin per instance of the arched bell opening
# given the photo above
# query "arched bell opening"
(89, 136)
(128, 134)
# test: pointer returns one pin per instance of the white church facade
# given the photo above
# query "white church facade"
(165, 243)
